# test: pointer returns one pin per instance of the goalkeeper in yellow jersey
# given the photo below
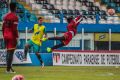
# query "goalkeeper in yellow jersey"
(36, 40)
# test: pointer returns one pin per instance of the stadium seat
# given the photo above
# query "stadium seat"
(90, 21)
(33, 6)
(117, 1)
(56, 20)
(78, 4)
(111, 5)
(39, 6)
(27, 1)
(105, 1)
(103, 17)
(45, 1)
(77, 12)
(52, 2)
(102, 21)
(91, 8)
(58, 2)
(44, 11)
(58, 6)
(32, 1)
(33, 18)
(27, 15)
(4, 10)
(21, 16)
(102, 12)
(71, 7)
(57, 13)
(44, 6)
(71, 3)
(51, 7)
(90, 4)
(103, 8)
(70, 12)
(65, 7)
(85, 8)
(65, 4)
(118, 4)
(118, 9)
(92, 1)
(0, 16)
(64, 11)
(91, 14)
(97, 4)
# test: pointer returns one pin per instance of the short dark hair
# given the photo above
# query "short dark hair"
(13, 6)
(40, 18)
(69, 19)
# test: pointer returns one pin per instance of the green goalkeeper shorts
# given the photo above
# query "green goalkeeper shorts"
(35, 47)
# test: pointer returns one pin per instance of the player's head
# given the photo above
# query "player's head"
(18, 77)
(40, 20)
(69, 19)
(13, 7)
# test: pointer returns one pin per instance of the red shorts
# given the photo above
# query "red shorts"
(10, 44)
(68, 37)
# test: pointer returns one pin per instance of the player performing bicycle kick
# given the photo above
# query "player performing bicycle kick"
(68, 35)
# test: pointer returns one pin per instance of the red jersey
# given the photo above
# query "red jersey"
(72, 26)
(9, 28)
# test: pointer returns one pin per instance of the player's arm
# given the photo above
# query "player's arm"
(78, 19)
(16, 27)
(45, 35)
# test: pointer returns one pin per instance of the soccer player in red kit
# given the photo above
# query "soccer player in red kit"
(67, 37)
(10, 35)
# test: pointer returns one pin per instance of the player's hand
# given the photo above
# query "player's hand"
(44, 39)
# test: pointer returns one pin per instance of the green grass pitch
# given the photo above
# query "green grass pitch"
(63, 73)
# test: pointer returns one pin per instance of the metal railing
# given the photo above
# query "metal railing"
(82, 41)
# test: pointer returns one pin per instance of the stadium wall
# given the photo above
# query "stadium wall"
(46, 57)
(62, 27)
(86, 58)
(78, 58)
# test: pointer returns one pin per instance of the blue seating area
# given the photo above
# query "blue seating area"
(3, 8)
(89, 8)
(112, 4)
(52, 9)
(23, 14)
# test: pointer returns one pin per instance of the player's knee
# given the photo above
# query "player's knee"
(26, 46)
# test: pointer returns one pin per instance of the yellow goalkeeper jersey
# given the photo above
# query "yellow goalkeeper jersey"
(38, 33)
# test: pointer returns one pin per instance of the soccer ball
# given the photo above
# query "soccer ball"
(111, 11)
(18, 77)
